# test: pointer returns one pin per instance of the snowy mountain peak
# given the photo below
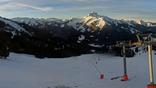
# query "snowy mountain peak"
(141, 22)
(94, 14)
(94, 21)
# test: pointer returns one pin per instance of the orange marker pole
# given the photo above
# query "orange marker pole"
(125, 76)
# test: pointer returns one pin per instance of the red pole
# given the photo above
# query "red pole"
(125, 76)
(101, 76)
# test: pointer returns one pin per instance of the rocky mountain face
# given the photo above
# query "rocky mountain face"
(10, 32)
(63, 38)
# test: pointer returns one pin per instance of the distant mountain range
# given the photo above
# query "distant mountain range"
(54, 37)
(91, 19)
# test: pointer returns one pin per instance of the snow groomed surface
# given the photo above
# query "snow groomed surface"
(26, 71)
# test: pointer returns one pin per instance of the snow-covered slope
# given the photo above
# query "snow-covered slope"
(15, 27)
(25, 71)
(37, 21)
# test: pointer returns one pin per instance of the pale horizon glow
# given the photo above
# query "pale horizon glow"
(64, 9)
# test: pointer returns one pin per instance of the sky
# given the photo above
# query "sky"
(118, 9)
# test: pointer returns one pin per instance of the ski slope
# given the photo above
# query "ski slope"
(26, 71)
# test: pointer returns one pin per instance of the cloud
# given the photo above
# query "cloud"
(4, 1)
(83, 0)
(19, 6)
(44, 9)
(56, 8)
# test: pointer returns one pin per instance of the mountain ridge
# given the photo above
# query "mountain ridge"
(93, 14)
(63, 38)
